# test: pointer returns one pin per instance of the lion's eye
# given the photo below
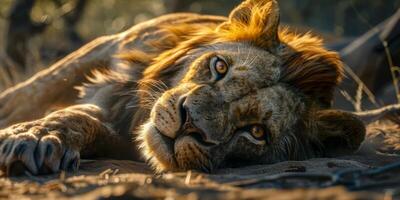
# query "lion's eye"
(220, 67)
(257, 132)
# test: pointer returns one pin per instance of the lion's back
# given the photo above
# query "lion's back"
(144, 41)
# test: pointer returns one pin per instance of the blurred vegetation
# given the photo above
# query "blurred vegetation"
(332, 18)
(110, 16)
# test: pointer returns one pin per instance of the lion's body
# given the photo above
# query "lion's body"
(152, 85)
(101, 53)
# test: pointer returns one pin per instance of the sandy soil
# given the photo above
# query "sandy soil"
(119, 179)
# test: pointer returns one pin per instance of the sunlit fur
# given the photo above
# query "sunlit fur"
(305, 65)
(306, 61)
(161, 97)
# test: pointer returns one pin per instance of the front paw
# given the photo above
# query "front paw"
(40, 150)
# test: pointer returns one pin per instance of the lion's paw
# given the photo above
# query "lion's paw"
(39, 153)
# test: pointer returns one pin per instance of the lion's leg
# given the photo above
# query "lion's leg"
(55, 142)
(55, 86)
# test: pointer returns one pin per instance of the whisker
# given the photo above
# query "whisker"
(254, 59)
(147, 93)
(247, 57)
(155, 84)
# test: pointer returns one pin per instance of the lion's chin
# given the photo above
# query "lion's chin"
(190, 155)
(157, 149)
(166, 154)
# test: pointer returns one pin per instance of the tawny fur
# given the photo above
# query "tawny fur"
(153, 91)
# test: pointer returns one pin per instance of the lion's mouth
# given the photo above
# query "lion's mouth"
(190, 130)
(200, 138)
(191, 154)
(190, 150)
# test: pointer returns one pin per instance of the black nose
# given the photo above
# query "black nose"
(188, 127)
(183, 110)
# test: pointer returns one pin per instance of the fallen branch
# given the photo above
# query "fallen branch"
(373, 115)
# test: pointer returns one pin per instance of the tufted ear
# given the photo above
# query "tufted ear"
(256, 21)
(338, 132)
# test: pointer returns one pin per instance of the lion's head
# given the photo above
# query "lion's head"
(246, 92)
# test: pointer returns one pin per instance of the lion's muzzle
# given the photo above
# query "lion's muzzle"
(189, 128)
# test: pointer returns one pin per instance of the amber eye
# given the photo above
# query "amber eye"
(220, 66)
(257, 131)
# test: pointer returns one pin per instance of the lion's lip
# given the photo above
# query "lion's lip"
(172, 147)
(189, 129)
(199, 138)
(166, 149)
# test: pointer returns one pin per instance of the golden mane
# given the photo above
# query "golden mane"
(307, 65)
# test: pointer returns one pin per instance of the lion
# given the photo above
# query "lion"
(183, 92)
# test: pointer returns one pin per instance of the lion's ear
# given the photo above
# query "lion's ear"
(256, 21)
(338, 132)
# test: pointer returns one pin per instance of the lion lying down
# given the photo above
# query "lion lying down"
(193, 91)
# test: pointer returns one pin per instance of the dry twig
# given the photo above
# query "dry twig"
(372, 115)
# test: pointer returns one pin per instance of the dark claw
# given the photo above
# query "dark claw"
(49, 150)
(73, 165)
(6, 149)
(20, 149)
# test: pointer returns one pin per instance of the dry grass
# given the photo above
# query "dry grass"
(391, 112)
(127, 179)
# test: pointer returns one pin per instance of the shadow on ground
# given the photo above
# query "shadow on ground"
(310, 179)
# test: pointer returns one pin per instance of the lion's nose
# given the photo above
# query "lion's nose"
(186, 117)
(189, 128)
(183, 111)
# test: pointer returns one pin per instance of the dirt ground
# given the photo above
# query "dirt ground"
(120, 179)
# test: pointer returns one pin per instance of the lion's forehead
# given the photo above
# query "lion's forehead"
(276, 103)
(250, 68)
(248, 60)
